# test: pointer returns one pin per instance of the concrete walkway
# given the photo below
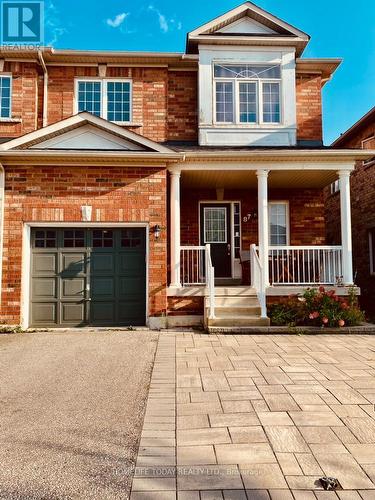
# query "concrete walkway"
(258, 417)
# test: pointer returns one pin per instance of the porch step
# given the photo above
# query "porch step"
(238, 320)
(235, 307)
(227, 282)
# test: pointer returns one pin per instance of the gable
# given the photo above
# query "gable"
(88, 137)
(247, 26)
(84, 131)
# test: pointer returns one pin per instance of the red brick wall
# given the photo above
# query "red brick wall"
(362, 184)
(183, 306)
(25, 81)
(55, 194)
(309, 107)
(183, 105)
(306, 212)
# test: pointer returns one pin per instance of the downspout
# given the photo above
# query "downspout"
(45, 88)
(2, 195)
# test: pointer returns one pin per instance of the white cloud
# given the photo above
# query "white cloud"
(163, 22)
(118, 20)
(53, 24)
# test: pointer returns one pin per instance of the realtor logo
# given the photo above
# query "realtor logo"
(22, 22)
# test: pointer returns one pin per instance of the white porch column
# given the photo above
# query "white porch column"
(175, 228)
(263, 222)
(346, 227)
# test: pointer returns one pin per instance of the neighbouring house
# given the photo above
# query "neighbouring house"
(168, 188)
(360, 136)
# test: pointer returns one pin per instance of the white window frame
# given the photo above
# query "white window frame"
(287, 219)
(372, 256)
(10, 76)
(334, 187)
(104, 96)
(236, 96)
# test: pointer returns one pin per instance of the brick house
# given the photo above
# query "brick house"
(360, 136)
(167, 188)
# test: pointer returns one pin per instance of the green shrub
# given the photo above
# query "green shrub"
(317, 307)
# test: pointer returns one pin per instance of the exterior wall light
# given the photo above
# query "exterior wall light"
(156, 230)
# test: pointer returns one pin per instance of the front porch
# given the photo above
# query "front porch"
(259, 227)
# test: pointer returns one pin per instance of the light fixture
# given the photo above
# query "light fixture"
(156, 230)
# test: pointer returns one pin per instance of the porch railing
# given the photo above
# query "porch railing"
(197, 269)
(305, 265)
(257, 279)
(193, 269)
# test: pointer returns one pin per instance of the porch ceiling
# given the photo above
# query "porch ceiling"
(237, 179)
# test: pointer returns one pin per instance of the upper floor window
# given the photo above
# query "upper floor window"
(5, 96)
(369, 143)
(110, 99)
(247, 93)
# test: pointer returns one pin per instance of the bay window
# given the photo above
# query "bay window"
(247, 93)
(110, 99)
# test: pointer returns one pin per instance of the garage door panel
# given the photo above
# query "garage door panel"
(102, 287)
(102, 312)
(132, 312)
(73, 287)
(73, 313)
(44, 288)
(102, 263)
(129, 287)
(44, 263)
(73, 264)
(132, 264)
(44, 313)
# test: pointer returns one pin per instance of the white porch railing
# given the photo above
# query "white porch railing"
(257, 279)
(193, 269)
(305, 265)
(197, 269)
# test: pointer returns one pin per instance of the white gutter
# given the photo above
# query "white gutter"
(45, 88)
(2, 195)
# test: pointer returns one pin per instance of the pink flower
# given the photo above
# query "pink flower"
(322, 289)
(315, 314)
(341, 323)
(311, 316)
(325, 320)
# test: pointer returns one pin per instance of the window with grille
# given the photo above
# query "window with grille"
(5, 96)
(248, 93)
(278, 223)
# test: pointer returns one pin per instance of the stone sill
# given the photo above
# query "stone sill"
(10, 120)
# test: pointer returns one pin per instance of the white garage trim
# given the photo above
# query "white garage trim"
(26, 257)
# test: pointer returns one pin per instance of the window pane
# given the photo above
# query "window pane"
(248, 102)
(224, 102)
(118, 98)
(215, 225)
(89, 97)
(5, 97)
(278, 223)
(271, 102)
(248, 71)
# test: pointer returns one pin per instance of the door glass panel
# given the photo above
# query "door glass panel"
(102, 238)
(215, 224)
(45, 239)
(131, 238)
(74, 238)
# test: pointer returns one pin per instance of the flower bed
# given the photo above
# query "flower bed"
(317, 307)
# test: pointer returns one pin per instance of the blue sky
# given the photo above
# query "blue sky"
(337, 28)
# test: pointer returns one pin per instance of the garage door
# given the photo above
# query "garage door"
(88, 277)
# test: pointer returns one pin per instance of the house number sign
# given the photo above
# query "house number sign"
(248, 217)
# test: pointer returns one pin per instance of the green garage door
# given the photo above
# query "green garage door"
(88, 277)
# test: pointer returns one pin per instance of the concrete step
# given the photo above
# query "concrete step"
(227, 282)
(234, 311)
(238, 321)
(223, 301)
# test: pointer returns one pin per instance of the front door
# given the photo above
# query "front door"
(215, 223)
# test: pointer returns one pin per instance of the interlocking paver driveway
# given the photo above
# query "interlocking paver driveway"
(259, 417)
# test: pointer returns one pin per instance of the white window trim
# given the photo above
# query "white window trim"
(372, 267)
(236, 105)
(287, 218)
(104, 96)
(8, 118)
(335, 186)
